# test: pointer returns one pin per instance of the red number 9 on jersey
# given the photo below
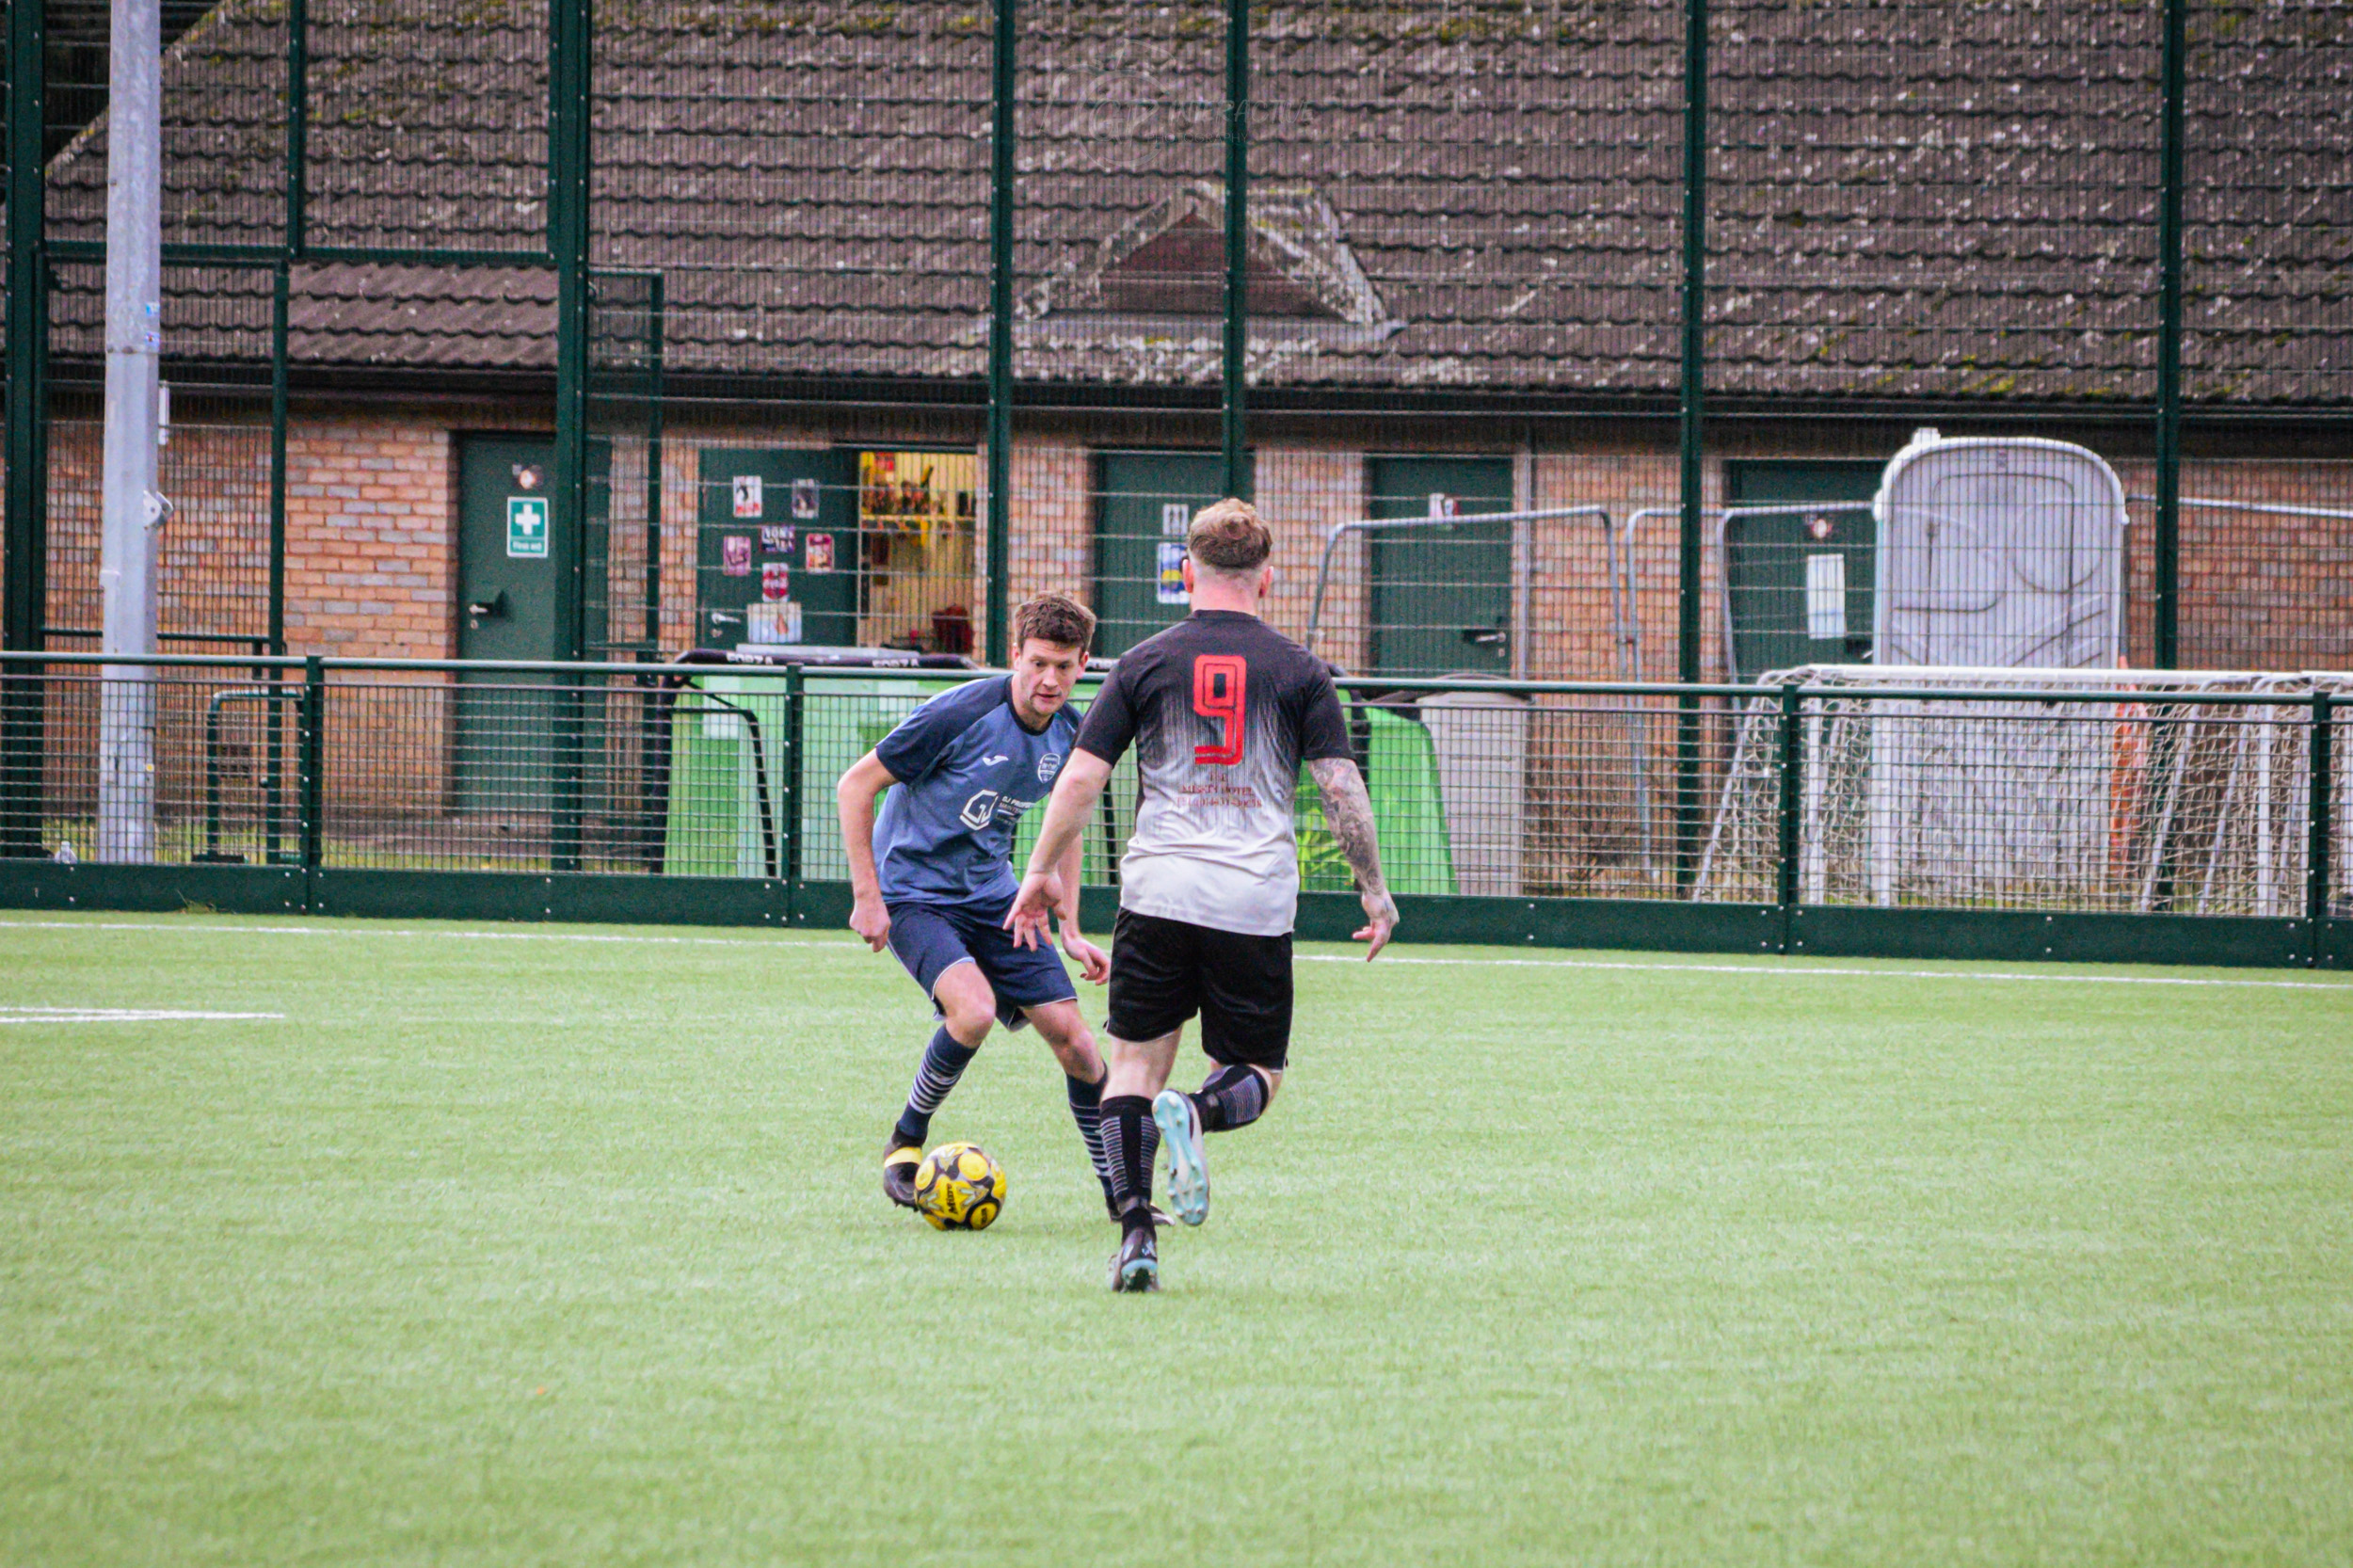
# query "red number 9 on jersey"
(1219, 682)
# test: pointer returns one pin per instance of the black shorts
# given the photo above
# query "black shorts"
(1165, 971)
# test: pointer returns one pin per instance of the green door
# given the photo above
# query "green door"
(1798, 582)
(507, 609)
(1144, 503)
(1441, 596)
(776, 558)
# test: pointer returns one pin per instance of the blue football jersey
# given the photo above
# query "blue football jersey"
(967, 770)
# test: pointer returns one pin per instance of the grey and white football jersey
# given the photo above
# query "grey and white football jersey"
(1222, 710)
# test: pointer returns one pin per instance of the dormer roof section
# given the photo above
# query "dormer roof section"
(1170, 260)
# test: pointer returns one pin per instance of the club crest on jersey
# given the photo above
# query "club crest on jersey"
(1047, 767)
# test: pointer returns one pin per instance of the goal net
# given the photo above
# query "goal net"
(2161, 799)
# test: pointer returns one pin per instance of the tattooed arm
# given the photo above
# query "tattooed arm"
(1348, 812)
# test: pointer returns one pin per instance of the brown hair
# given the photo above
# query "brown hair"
(1229, 537)
(1056, 618)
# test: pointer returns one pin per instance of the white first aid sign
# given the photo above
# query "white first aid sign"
(527, 527)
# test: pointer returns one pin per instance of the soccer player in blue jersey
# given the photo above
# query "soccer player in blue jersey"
(932, 878)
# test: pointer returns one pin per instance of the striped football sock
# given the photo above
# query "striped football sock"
(944, 1060)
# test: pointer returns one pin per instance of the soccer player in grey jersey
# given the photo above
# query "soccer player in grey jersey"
(1222, 710)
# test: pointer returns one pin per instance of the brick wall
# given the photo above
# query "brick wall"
(1305, 492)
(2266, 590)
(373, 507)
(371, 540)
(1051, 547)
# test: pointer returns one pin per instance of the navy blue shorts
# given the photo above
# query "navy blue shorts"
(932, 939)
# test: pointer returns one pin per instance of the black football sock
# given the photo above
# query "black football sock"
(1086, 1109)
(1231, 1097)
(944, 1060)
(1131, 1141)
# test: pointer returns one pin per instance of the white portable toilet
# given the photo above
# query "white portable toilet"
(1995, 555)
(1999, 553)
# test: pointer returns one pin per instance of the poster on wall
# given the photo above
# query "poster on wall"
(735, 554)
(777, 621)
(818, 556)
(776, 581)
(1173, 572)
(747, 495)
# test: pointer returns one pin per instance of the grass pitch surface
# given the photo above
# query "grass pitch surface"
(513, 1246)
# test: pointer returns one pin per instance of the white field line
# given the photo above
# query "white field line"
(12, 1012)
(801, 944)
(1815, 971)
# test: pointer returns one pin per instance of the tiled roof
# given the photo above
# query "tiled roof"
(1925, 198)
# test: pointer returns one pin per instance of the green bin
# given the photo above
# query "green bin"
(730, 735)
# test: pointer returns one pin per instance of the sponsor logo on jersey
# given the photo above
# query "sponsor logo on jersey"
(991, 805)
(992, 761)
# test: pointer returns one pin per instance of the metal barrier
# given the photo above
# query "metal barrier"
(1881, 812)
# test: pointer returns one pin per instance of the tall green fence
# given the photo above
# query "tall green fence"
(1216, 217)
(2184, 819)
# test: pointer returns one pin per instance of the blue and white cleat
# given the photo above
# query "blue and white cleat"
(1188, 1168)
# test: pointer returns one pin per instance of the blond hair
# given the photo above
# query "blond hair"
(1229, 537)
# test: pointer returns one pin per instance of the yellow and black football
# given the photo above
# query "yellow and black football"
(960, 1187)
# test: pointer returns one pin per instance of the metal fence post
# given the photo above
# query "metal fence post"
(2323, 830)
(273, 718)
(1001, 169)
(569, 153)
(796, 728)
(1236, 428)
(1692, 434)
(24, 597)
(2167, 563)
(568, 240)
(1792, 802)
(296, 239)
(657, 305)
(313, 782)
(570, 698)
(280, 317)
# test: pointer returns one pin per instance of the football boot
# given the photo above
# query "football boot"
(1137, 1264)
(898, 1162)
(1188, 1166)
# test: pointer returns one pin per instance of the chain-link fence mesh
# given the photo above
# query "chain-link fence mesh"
(2267, 204)
(2178, 794)
(211, 550)
(1463, 245)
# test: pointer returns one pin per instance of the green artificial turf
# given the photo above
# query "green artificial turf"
(521, 1250)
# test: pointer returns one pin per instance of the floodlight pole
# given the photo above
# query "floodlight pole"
(1000, 172)
(24, 593)
(132, 509)
(1236, 434)
(1692, 434)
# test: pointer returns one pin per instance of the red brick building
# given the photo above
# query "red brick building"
(1466, 247)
